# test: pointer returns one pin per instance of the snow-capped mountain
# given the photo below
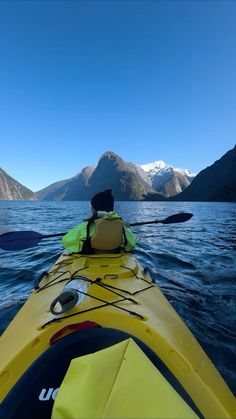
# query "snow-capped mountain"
(159, 167)
(165, 178)
(153, 168)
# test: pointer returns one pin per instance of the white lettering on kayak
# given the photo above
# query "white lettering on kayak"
(55, 393)
(45, 394)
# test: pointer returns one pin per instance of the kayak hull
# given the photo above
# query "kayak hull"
(120, 295)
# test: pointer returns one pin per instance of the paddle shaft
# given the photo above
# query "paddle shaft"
(47, 236)
(176, 218)
(19, 240)
(146, 222)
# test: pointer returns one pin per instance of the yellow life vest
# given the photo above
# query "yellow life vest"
(109, 234)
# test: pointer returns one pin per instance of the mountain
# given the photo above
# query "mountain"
(10, 189)
(49, 190)
(123, 178)
(72, 189)
(153, 181)
(166, 179)
(111, 172)
(215, 183)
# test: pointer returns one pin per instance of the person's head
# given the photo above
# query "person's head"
(103, 201)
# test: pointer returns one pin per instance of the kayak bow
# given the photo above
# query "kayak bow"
(117, 302)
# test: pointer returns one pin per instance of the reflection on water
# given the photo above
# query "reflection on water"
(194, 262)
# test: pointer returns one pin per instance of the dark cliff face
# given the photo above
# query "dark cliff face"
(215, 183)
(123, 178)
(10, 189)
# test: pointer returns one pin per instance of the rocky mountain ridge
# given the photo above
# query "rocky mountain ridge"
(11, 189)
(68, 190)
(152, 181)
(127, 180)
(166, 179)
(111, 172)
(215, 183)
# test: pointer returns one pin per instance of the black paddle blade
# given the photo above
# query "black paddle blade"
(177, 218)
(19, 240)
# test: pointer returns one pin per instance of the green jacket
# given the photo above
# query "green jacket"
(74, 239)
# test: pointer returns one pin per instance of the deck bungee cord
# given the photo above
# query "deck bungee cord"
(98, 282)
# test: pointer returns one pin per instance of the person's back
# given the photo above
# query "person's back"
(108, 234)
(103, 232)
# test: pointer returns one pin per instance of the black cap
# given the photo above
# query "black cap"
(103, 201)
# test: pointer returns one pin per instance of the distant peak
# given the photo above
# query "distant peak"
(186, 171)
(109, 155)
(159, 167)
(158, 164)
(88, 169)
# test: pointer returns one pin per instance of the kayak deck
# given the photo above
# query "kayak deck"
(120, 295)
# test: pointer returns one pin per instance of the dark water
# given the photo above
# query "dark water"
(194, 263)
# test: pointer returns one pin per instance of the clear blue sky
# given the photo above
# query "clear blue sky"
(149, 80)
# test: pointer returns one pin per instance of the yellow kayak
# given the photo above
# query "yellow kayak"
(132, 354)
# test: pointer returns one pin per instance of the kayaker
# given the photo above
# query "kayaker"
(104, 231)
